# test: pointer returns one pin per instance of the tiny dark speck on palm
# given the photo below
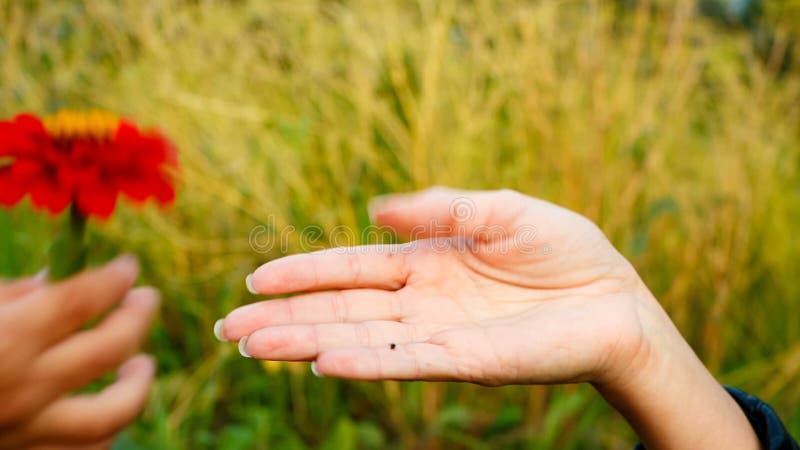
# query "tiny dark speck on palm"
(392, 346)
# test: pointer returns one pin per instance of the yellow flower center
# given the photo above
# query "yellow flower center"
(69, 124)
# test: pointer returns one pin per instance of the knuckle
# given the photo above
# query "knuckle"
(339, 307)
(354, 265)
(396, 309)
(412, 355)
(412, 332)
(288, 309)
(506, 192)
(436, 190)
(378, 362)
(71, 301)
(316, 338)
(109, 350)
(509, 194)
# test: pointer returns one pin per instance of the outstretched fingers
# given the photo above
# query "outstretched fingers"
(88, 354)
(91, 418)
(67, 305)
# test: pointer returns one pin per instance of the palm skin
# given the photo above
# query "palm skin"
(499, 289)
(492, 288)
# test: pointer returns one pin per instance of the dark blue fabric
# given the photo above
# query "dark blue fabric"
(767, 425)
(765, 422)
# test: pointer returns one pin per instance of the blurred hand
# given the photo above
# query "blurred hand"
(493, 288)
(47, 354)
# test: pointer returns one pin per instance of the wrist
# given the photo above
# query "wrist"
(667, 394)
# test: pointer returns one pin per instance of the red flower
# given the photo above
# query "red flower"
(85, 159)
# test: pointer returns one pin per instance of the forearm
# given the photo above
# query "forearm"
(673, 402)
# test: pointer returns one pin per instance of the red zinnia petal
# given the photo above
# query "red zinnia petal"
(156, 186)
(97, 201)
(11, 190)
(86, 161)
(164, 190)
(45, 193)
(71, 176)
(30, 124)
(135, 189)
(8, 135)
(23, 136)
(24, 168)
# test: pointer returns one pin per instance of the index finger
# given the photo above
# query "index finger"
(367, 266)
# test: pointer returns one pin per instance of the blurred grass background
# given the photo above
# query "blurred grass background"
(678, 133)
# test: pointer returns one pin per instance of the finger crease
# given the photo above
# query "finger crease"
(354, 264)
(316, 338)
(289, 311)
(396, 308)
(378, 363)
(412, 333)
(411, 352)
(363, 335)
(339, 306)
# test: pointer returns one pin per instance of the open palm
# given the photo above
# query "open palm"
(493, 288)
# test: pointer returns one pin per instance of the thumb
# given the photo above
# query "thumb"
(444, 212)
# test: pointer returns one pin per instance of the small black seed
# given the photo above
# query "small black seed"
(392, 346)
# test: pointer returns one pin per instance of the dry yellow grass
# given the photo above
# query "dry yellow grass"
(661, 126)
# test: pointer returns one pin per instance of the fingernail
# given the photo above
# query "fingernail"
(145, 296)
(125, 368)
(126, 262)
(314, 370)
(41, 276)
(248, 281)
(138, 362)
(218, 330)
(242, 349)
(156, 296)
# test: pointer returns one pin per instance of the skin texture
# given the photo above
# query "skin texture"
(492, 288)
(48, 352)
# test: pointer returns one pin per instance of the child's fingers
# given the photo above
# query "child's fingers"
(413, 361)
(353, 305)
(305, 342)
(370, 266)
(96, 417)
(57, 310)
(89, 354)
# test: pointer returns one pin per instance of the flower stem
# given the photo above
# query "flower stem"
(68, 252)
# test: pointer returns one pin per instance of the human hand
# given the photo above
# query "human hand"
(496, 288)
(47, 354)
(493, 288)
